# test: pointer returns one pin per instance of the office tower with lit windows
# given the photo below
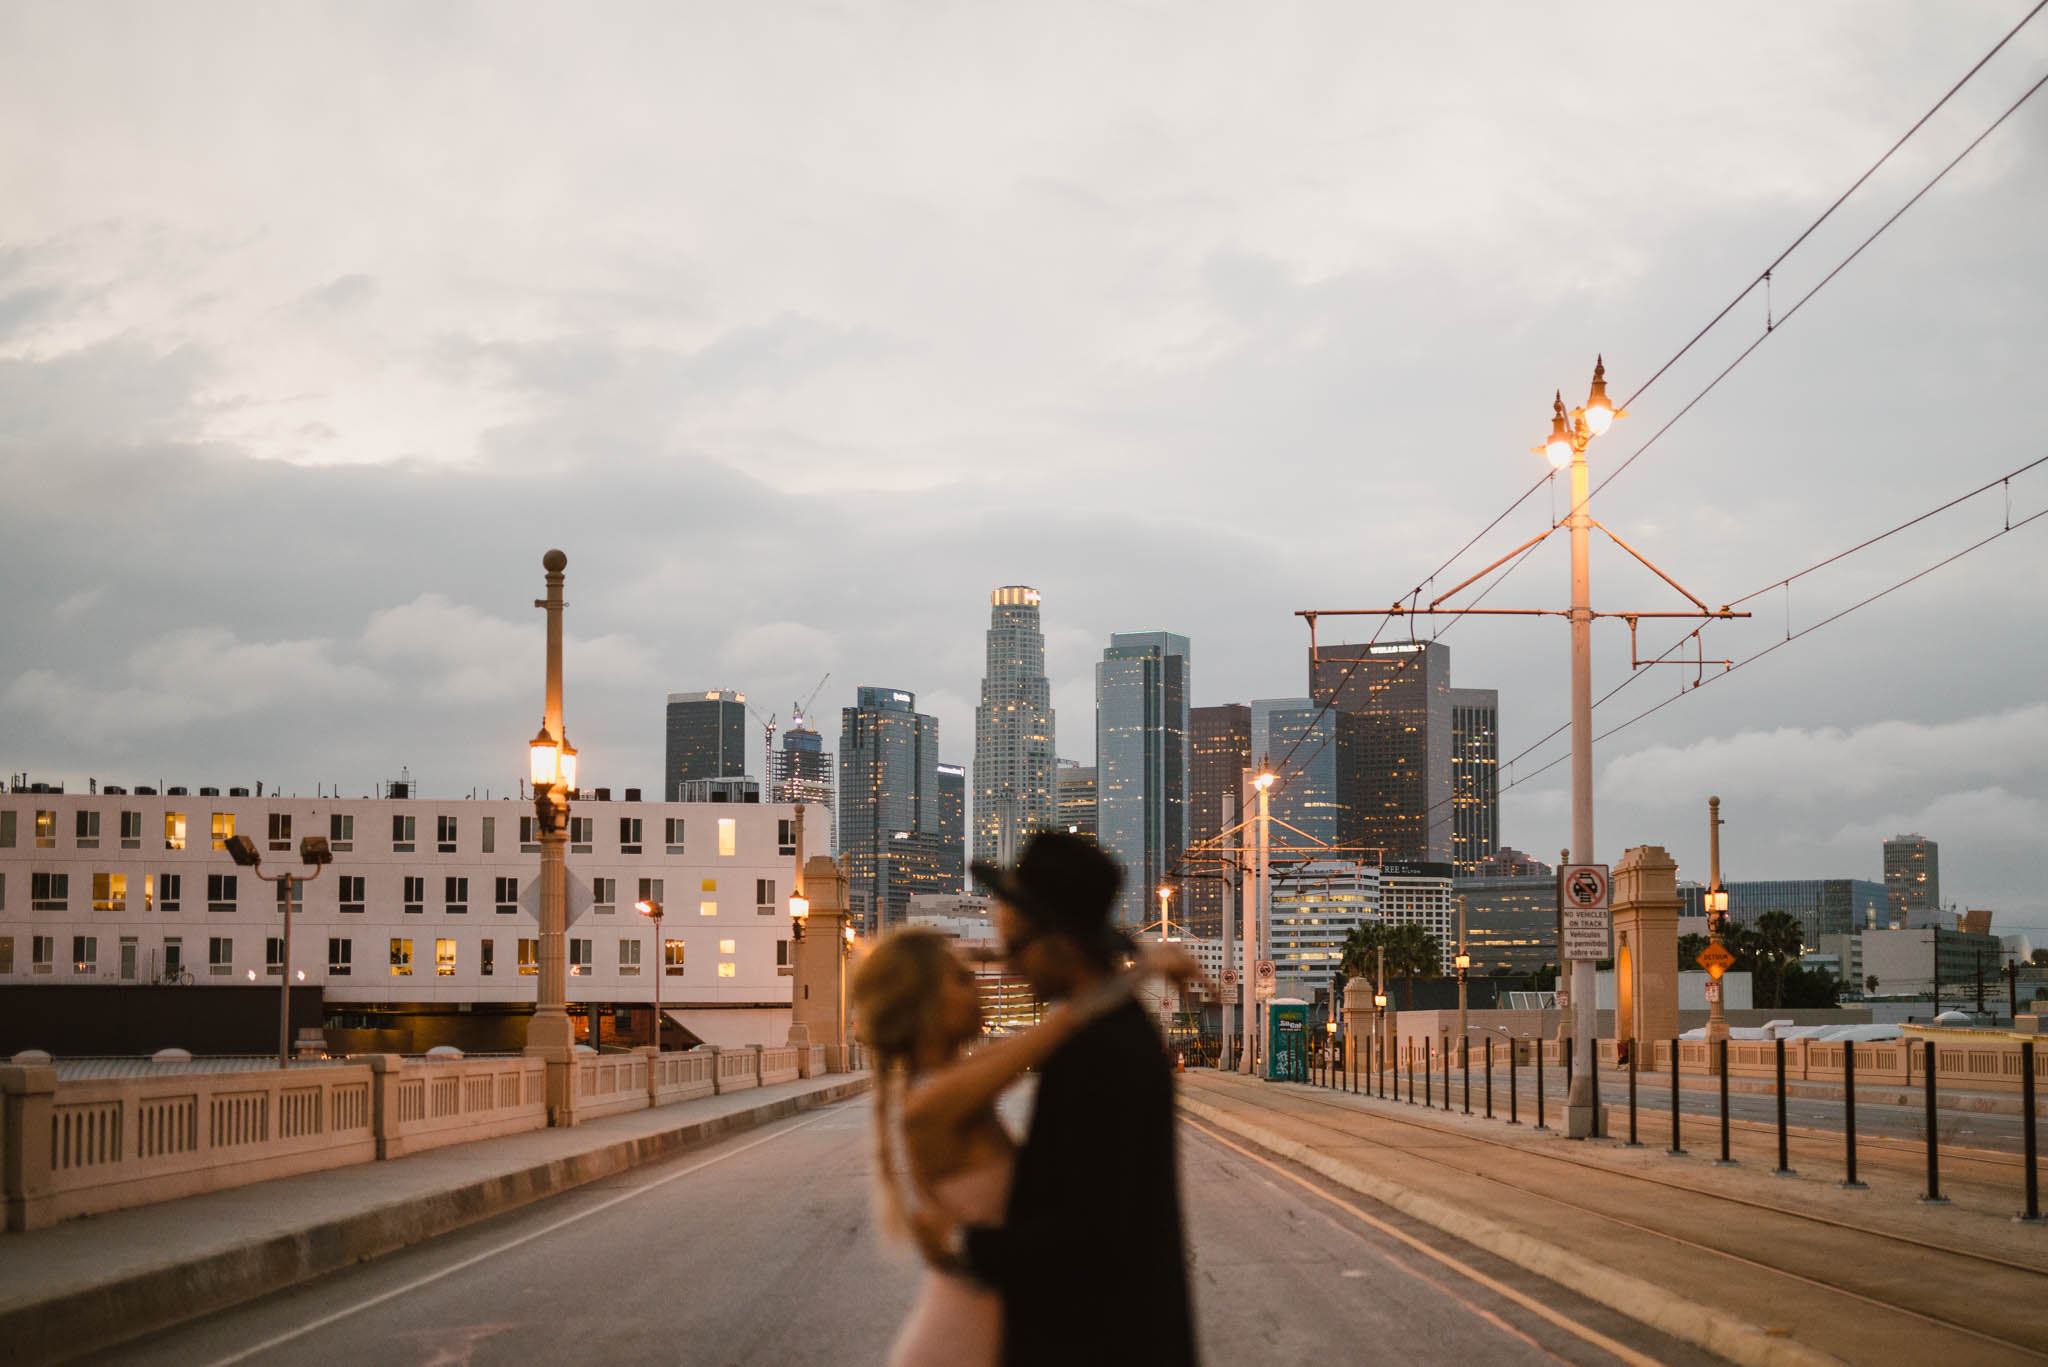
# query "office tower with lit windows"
(1077, 798)
(1912, 881)
(1475, 777)
(1219, 751)
(953, 826)
(1016, 788)
(890, 808)
(1400, 691)
(707, 738)
(1313, 754)
(1141, 763)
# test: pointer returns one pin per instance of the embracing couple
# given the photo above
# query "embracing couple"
(1069, 1249)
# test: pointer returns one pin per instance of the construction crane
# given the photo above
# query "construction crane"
(799, 711)
(767, 731)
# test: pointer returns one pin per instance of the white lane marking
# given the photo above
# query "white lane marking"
(1530, 1303)
(506, 1247)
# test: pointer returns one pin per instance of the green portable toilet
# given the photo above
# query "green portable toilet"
(1287, 1036)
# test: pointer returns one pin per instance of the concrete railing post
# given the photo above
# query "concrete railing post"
(28, 1099)
(760, 1075)
(384, 1076)
(717, 1068)
(652, 1053)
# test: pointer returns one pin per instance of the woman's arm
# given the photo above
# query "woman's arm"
(946, 1099)
(941, 1102)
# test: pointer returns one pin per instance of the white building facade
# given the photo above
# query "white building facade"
(427, 900)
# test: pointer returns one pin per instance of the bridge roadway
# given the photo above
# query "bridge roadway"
(762, 1249)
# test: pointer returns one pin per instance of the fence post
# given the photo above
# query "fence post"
(1446, 1052)
(1514, 1090)
(1784, 1168)
(1849, 1181)
(1539, 1080)
(1465, 1068)
(1428, 1069)
(2032, 1214)
(1933, 1196)
(28, 1104)
(1677, 1149)
(1489, 1077)
(1632, 1144)
(1724, 1161)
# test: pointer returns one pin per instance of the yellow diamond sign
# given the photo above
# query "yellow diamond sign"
(1716, 960)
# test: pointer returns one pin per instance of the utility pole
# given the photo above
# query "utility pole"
(1717, 919)
(1233, 814)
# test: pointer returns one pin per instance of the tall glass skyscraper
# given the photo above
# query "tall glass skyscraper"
(891, 812)
(1315, 755)
(1141, 762)
(1912, 881)
(1016, 789)
(1475, 777)
(706, 738)
(1400, 691)
(1219, 751)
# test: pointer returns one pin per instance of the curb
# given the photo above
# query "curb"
(1703, 1326)
(116, 1311)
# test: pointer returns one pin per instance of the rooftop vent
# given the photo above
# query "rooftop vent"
(174, 792)
(209, 792)
(604, 795)
(632, 794)
(238, 792)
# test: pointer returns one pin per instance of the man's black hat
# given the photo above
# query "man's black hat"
(1061, 883)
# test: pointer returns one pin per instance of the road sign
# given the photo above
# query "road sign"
(1227, 983)
(1229, 978)
(1588, 924)
(1716, 960)
(1267, 984)
(1564, 998)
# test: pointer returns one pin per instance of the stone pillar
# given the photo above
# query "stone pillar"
(1646, 948)
(384, 1074)
(818, 987)
(28, 1102)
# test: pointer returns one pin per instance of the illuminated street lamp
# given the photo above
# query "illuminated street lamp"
(552, 767)
(1256, 931)
(1717, 926)
(799, 913)
(1566, 446)
(652, 911)
(313, 850)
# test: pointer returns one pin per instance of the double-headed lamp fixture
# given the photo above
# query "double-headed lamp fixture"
(1569, 433)
(551, 762)
(799, 913)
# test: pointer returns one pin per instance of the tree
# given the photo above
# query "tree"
(1778, 940)
(2040, 958)
(1690, 947)
(1411, 950)
(1870, 984)
(1360, 958)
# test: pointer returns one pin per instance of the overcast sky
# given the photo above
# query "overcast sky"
(800, 327)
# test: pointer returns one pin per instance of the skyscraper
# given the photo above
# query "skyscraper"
(1912, 880)
(1401, 693)
(889, 804)
(1015, 789)
(1219, 751)
(1315, 755)
(707, 738)
(1141, 762)
(953, 826)
(802, 771)
(1077, 798)
(1475, 777)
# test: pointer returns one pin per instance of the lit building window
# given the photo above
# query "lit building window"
(444, 958)
(707, 908)
(727, 947)
(728, 837)
(401, 958)
(726, 970)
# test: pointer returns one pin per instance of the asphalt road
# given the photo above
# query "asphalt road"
(762, 1250)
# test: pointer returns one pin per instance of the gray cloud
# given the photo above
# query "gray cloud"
(801, 331)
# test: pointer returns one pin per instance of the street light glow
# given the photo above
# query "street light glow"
(1263, 782)
(544, 759)
(799, 906)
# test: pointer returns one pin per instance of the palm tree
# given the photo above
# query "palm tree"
(1779, 938)
(1870, 984)
(1411, 950)
(1360, 957)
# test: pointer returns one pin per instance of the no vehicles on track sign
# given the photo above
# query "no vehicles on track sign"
(1588, 921)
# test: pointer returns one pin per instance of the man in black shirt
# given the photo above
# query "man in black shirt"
(1090, 1259)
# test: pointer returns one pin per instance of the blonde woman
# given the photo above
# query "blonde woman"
(919, 1008)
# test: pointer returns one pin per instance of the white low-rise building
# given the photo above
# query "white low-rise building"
(430, 904)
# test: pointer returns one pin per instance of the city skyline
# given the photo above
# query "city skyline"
(770, 451)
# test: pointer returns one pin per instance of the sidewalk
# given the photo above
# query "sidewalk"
(91, 1282)
(1765, 1271)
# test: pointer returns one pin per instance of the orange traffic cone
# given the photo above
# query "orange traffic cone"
(1182, 1056)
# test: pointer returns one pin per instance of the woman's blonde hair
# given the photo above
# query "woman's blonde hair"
(896, 994)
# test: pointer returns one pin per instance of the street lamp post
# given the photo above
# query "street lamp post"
(1165, 934)
(313, 850)
(1255, 928)
(1569, 437)
(1464, 962)
(552, 762)
(652, 911)
(1717, 925)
